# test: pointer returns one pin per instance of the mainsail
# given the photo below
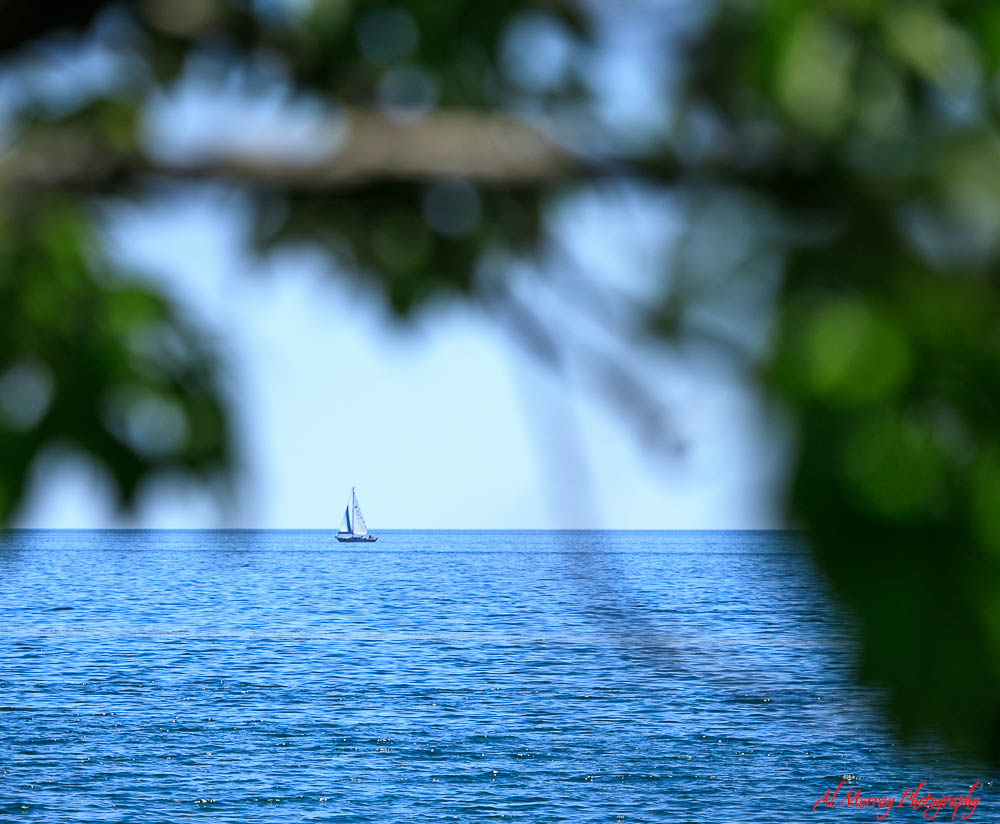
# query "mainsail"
(357, 521)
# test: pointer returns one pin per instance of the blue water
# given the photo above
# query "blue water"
(459, 676)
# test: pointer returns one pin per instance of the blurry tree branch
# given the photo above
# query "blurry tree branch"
(477, 146)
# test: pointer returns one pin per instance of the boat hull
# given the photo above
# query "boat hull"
(356, 539)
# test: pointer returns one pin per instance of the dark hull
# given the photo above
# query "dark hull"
(356, 539)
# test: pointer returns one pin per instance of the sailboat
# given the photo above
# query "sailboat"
(352, 527)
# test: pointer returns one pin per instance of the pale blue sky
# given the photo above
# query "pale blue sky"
(449, 422)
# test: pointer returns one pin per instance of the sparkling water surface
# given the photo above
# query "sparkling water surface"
(437, 676)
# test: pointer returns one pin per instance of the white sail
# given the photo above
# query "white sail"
(358, 521)
(345, 523)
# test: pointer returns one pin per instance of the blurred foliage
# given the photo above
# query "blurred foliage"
(414, 241)
(94, 362)
(846, 149)
(874, 135)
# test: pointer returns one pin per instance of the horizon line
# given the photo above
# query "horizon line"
(396, 529)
